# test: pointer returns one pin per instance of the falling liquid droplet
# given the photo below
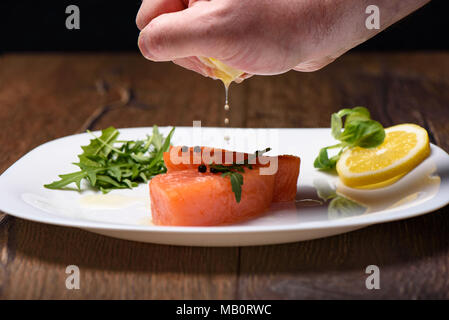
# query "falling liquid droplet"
(226, 93)
(226, 106)
(227, 138)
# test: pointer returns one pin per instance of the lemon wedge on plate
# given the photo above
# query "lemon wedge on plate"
(405, 146)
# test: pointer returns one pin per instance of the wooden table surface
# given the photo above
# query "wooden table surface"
(46, 96)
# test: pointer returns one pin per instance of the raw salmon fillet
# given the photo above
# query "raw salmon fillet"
(186, 197)
(190, 198)
(286, 175)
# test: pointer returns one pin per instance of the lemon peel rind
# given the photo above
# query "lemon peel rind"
(381, 184)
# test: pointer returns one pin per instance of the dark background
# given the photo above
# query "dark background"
(110, 26)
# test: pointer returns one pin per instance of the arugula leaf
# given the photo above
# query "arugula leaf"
(102, 144)
(66, 179)
(164, 148)
(234, 172)
(236, 183)
(359, 131)
(157, 138)
(107, 163)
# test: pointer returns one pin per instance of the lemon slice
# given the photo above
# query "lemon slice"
(405, 146)
(222, 71)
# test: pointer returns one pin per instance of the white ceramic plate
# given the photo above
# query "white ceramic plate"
(126, 213)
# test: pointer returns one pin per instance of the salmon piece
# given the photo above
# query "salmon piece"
(286, 175)
(190, 198)
(286, 178)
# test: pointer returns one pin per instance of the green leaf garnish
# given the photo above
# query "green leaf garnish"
(66, 179)
(234, 172)
(359, 131)
(108, 164)
(236, 183)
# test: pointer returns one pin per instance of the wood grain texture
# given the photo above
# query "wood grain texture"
(46, 96)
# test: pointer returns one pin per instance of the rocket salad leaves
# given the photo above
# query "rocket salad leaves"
(107, 163)
(359, 131)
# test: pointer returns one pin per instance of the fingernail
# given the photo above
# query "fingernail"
(143, 46)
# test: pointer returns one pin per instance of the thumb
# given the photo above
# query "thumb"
(186, 33)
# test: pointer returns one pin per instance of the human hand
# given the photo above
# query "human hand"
(259, 36)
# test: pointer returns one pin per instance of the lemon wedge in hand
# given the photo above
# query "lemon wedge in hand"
(405, 146)
(222, 71)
